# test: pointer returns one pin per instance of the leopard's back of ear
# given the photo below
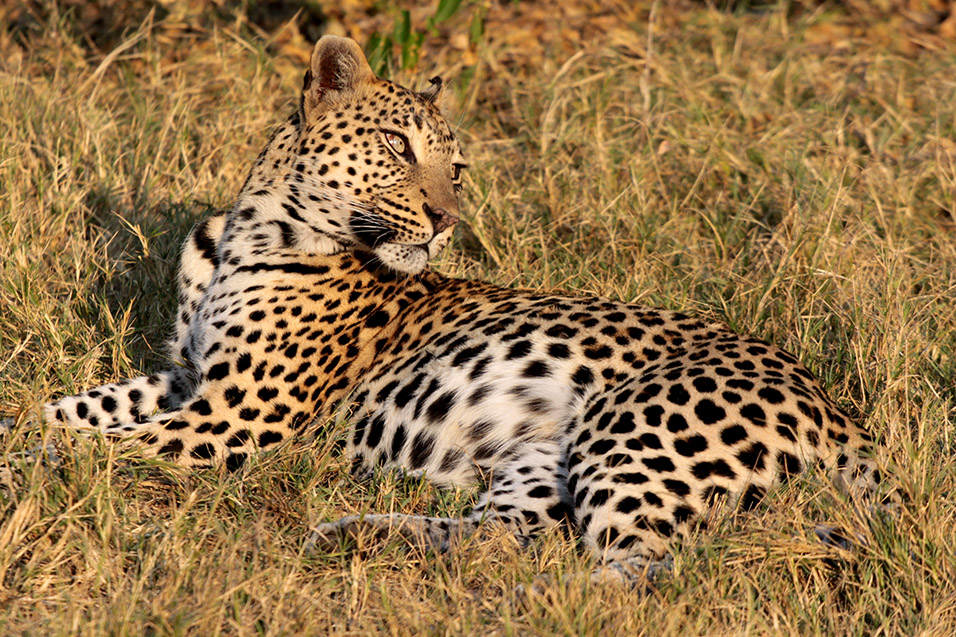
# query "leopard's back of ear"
(338, 66)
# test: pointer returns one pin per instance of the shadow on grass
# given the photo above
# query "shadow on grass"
(143, 241)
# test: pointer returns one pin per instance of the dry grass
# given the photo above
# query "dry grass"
(741, 170)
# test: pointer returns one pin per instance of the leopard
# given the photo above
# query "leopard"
(311, 299)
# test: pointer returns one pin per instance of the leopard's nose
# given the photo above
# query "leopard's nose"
(440, 218)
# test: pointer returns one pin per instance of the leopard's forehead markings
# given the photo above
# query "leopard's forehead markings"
(406, 109)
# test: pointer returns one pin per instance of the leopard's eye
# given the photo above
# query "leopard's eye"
(456, 170)
(398, 143)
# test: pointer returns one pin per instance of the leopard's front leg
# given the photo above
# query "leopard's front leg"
(121, 408)
(124, 408)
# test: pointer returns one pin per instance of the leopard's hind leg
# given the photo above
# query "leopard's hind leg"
(648, 457)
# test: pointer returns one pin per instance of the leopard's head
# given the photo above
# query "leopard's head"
(370, 166)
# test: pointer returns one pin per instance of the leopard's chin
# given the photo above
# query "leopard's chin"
(411, 258)
(408, 259)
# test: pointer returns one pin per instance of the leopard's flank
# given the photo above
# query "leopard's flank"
(311, 297)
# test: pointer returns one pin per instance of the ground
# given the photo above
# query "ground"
(789, 172)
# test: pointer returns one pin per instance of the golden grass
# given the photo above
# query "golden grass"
(740, 170)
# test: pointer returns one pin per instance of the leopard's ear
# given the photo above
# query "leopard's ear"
(434, 90)
(338, 65)
(437, 95)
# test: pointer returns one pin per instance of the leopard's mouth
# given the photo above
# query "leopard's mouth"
(431, 247)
